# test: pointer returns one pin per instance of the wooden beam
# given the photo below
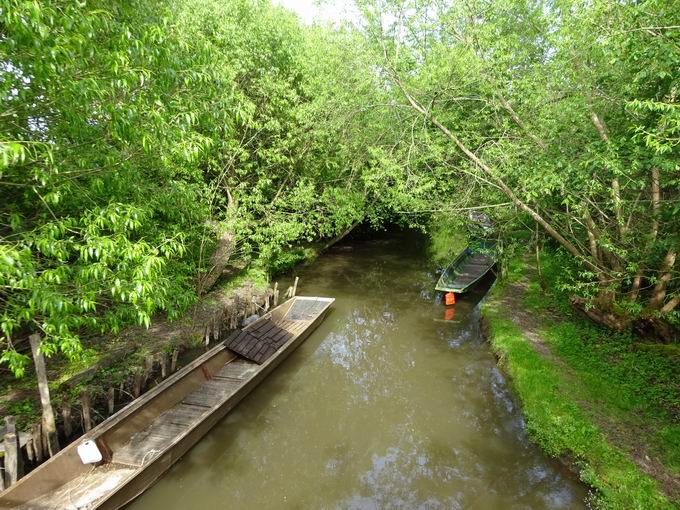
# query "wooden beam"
(14, 465)
(85, 403)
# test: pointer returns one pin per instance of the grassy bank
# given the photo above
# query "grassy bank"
(603, 402)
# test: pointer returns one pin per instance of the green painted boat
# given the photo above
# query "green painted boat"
(468, 267)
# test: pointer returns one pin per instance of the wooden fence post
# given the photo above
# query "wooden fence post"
(297, 279)
(30, 454)
(85, 403)
(66, 418)
(164, 365)
(137, 380)
(173, 361)
(148, 369)
(111, 399)
(48, 422)
(14, 465)
(36, 434)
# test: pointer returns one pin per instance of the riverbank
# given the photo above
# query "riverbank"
(118, 367)
(606, 404)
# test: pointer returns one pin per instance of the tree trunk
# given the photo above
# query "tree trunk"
(508, 108)
(601, 315)
(616, 185)
(654, 232)
(659, 292)
(48, 422)
(592, 239)
(218, 261)
(670, 305)
(342, 235)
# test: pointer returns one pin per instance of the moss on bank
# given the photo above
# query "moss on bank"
(589, 396)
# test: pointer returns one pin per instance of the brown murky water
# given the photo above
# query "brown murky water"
(384, 406)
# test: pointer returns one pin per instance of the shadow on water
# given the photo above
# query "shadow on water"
(386, 405)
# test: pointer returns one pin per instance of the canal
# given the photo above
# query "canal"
(386, 405)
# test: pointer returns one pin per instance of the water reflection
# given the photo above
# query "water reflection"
(385, 406)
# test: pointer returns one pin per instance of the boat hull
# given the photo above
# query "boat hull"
(154, 471)
(470, 266)
(56, 483)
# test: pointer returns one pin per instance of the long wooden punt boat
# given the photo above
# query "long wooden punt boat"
(467, 268)
(142, 440)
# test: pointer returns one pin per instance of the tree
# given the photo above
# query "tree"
(544, 104)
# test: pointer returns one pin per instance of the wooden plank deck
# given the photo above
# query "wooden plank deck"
(83, 491)
(238, 369)
(149, 443)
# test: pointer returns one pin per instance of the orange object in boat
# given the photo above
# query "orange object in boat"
(450, 298)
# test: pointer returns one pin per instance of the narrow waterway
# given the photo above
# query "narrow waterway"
(384, 406)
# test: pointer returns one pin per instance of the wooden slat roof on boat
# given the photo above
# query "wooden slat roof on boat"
(259, 342)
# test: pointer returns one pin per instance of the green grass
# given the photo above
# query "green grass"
(27, 412)
(606, 371)
(626, 377)
(256, 276)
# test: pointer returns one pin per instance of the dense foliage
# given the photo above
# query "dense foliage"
(134, 135)
(146, 144)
